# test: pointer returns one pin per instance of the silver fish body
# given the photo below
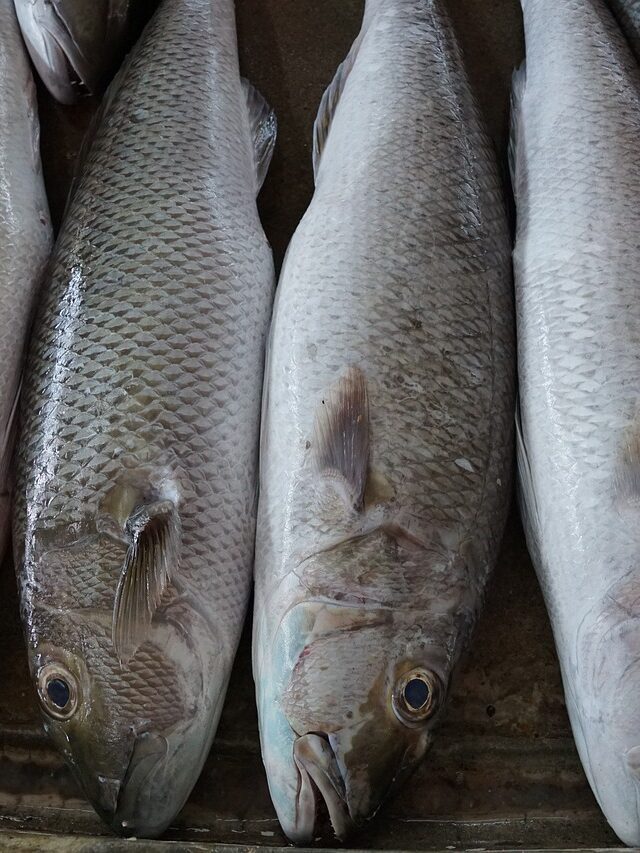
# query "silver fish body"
(138, 461)
(577, 255)
(76, 46)
(25, 228)
(386, 445)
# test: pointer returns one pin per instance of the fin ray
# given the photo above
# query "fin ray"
(526, 492)
(627, 479)
(518, 82)
(341, 438)
(264, 130)
(8, 440)
(155, 533)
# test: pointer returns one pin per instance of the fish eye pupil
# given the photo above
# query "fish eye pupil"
(59, 693)
(416, 694)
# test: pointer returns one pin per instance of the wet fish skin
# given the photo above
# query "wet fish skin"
(25, 229)
(396, 288)
(577, 183)
(77, 46)
(138, 460)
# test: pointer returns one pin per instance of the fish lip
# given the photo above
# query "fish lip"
(128, 805)
(319, 774)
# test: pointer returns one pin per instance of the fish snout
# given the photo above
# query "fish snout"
(143, 807)
(132, 804)
(106, 796)
(319, 777)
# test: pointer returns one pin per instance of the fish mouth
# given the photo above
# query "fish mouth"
(319, 776)
(135, 805)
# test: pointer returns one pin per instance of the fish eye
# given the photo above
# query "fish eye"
(57, 691)
(417, 696)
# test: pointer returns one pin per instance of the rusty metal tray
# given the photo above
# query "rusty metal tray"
(504, 772)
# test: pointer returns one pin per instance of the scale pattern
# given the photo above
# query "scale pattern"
(146, 366)
(25, 228)
(401, 268)
(576, 261)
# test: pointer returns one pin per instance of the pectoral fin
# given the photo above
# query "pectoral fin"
(341, 439)
(627, 482)
(154, 533)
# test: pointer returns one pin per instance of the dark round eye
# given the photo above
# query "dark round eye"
(416, 693)
(58, 691)
(417, 696)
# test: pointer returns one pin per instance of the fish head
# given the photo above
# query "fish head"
(135, 733)
(603, 691)
(75, 45)
(354, 699)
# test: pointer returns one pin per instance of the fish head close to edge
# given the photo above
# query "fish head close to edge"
(135, 733)
(603, 700)
(75, 45)
(347, 711)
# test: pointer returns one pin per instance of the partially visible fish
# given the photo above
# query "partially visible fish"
(138, 460)
(577, 265)
(387, 437)
(77, 45)
(627, 13)
(25, 229)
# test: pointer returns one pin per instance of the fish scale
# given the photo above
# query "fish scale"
(400, 270)
(577, 183)
(146, 367)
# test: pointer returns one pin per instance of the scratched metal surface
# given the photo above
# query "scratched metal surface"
(504, 772)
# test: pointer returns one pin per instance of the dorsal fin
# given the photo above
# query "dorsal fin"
(329, 103)
(154, 533)
(8, 440)
(264, 130)
(7, 445)
(518, 81)
(526, 492)
(341, 439)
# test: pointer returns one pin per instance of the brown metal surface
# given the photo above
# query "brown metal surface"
(504, 771)
(36, 842)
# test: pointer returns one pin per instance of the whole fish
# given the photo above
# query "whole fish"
(577, 182)
(627, 13)
(387, 438)
(25, 230)
(136, 501)
(76, 45)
